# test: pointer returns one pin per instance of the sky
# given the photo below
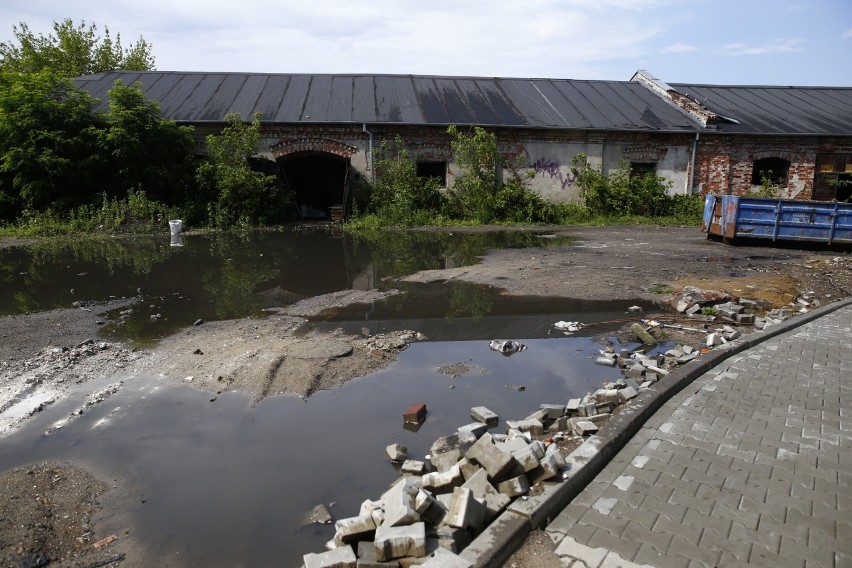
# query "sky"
(727, 42)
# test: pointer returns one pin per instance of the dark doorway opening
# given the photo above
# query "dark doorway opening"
(317, 181)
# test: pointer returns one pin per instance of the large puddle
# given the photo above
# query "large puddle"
(223, 483)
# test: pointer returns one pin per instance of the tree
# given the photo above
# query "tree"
(480, 194)
(72, 50)
(142, 151)
(243, 195)
(46, 140)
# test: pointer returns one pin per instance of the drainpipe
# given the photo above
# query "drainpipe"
(369, 151)
(692, 164)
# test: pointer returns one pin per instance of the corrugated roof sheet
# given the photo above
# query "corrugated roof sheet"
(776, 110)
(401, 99)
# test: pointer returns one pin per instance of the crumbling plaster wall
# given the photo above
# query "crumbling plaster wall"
(544, 155)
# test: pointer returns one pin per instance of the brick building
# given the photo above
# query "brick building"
(320, 130)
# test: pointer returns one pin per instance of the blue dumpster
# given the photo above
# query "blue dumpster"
(733, 216)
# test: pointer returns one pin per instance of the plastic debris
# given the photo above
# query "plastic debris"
(507, 347)
(569, 326)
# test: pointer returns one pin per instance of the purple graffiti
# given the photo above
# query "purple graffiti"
(551, 167)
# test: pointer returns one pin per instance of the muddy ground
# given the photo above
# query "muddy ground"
(47, 508)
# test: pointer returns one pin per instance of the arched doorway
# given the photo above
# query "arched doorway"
(316, 170)
(318, 182)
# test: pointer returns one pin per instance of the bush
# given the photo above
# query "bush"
(621, 193)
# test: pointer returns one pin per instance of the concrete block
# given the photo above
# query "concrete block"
(443, 481)
(452, 539)
(607, 360)
(397, 542)
(585, 427)
(635, 371)
(429, 508)
(674, 353)
(468, 468)
(540, 415)
(443, 558)
(626, 394)
(553, 450)
(396, 452)
(447, 443)
(746, 318)
(343, 557)
(687, 358)
(549, 468)
(443, 462)
(631, 382)
(484, 492)
(367, 557)
(538, 448)
(656, 370)
(475, 428)
(495, 461)
(573, 405)
(693, 309)
(399, 515)
(482, 414)
(598, 418)
(465, 511)
(369, 506)
(354, 529)
(526, 458)
(514, 487)
(413, 467)
(531, 425)
(559, 425)
(748, 304)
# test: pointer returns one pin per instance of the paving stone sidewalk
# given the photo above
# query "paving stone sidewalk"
(749, 464)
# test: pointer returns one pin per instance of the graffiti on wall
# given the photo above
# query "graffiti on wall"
(546, 166)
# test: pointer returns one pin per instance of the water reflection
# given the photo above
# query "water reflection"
(232, 275)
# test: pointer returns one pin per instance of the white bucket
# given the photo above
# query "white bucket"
(177, 241)
(175, 226)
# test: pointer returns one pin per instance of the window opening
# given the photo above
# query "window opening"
(773, 169)
(639, 169)
(436, 170)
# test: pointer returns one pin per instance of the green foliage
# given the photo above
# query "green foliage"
(143, 151)
(134, 213)
(619, 192)
(660, 288)
(71, 51)
(709, 311)
(46, 142)
(480, 194)
(769, 187)
(244, 196)
(399, 195)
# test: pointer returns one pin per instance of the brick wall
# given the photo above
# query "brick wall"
(725, 163)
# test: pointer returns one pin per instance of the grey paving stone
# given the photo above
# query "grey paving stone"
(750, 464)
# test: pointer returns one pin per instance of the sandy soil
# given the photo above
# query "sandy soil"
(44, 355)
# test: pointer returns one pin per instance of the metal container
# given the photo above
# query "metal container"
(732, 217)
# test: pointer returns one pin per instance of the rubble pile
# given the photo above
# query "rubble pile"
(439, 505)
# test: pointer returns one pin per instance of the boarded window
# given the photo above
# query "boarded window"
(833, 177)
(772, 169)
(437, 170)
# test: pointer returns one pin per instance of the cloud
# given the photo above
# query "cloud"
(679, 48)
(847, 34)
(777, 46)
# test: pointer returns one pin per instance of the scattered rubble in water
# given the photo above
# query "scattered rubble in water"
(439, 505)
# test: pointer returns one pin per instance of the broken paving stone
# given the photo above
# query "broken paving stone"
(643, 336)
(396, 453)
(465, 511)
(318, 515)
(367, 557)
(443, 558)
(353, 529)
(446, 460)
(475, 429)
(484, 492)
(444, 481)
(495, 461)
(515, 487)
(483, 415)
(531, 425)
(553, 411)
(626, 394)
(340, 557)
(398, 542)
(413, 467)
(585, 427)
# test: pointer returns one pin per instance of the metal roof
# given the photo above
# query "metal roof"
(401, 99)
(776, 110)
